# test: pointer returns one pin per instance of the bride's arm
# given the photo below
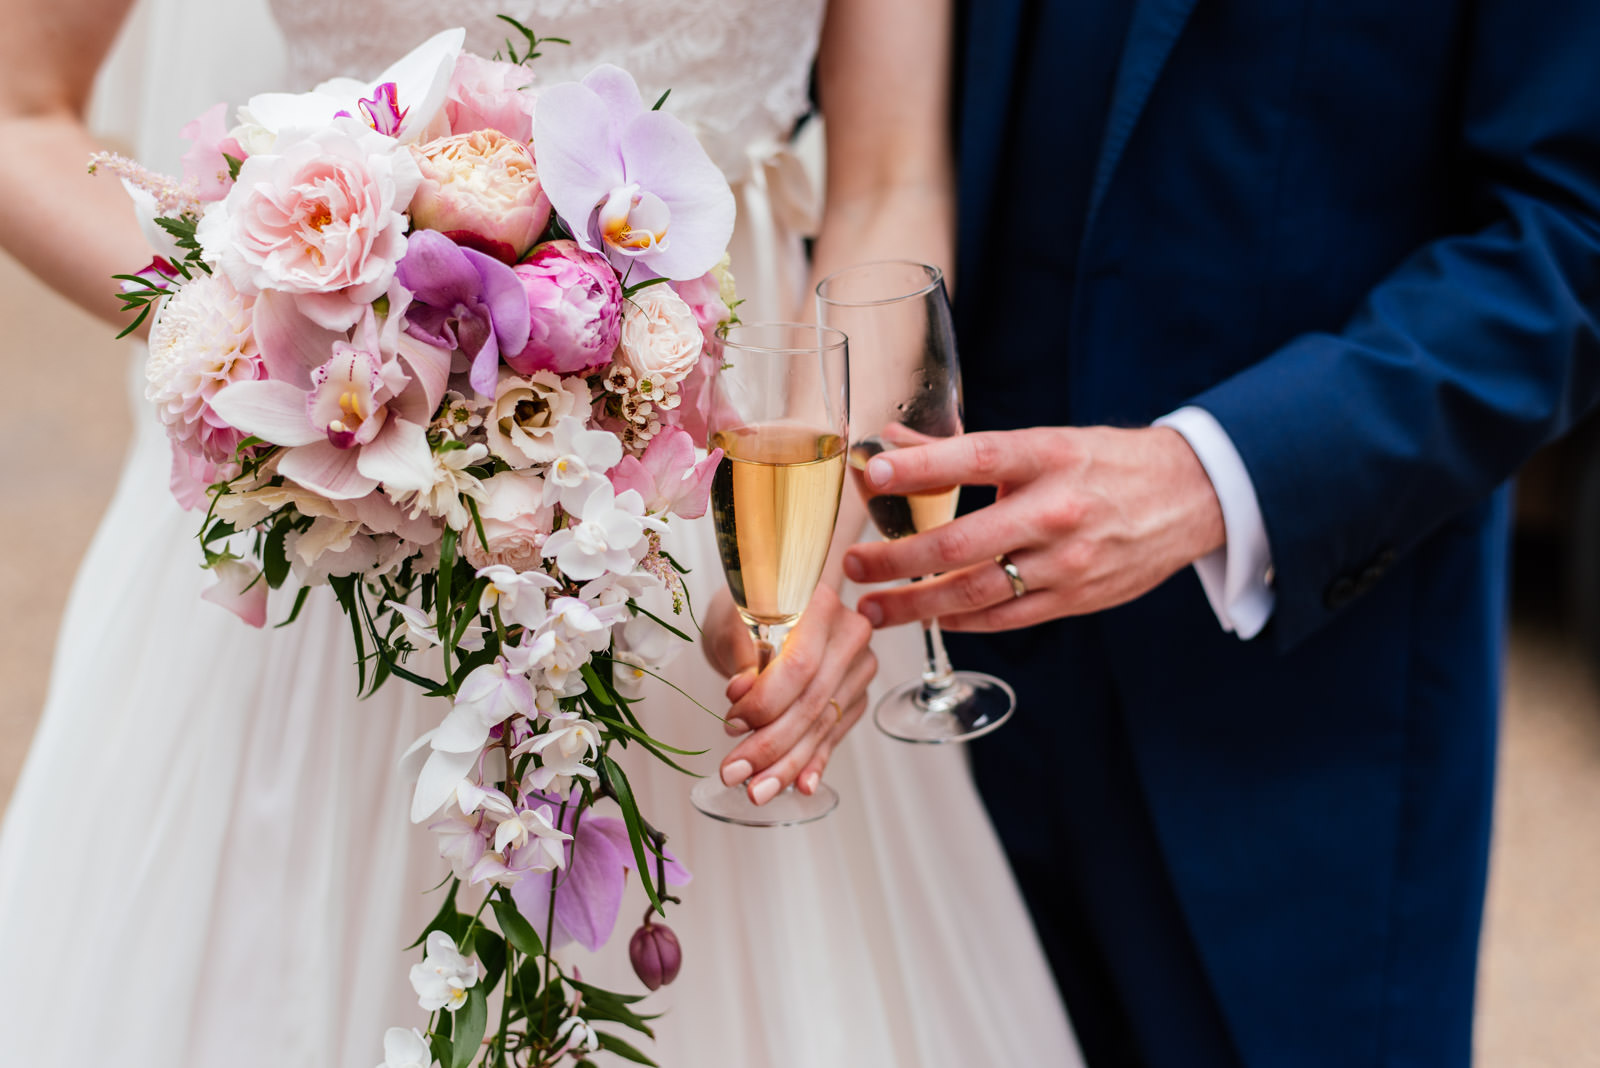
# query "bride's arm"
(69, 228)
(883, 79)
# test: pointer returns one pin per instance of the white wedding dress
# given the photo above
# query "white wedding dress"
(207, 860)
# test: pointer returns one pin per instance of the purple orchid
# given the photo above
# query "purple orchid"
(629, 182)
(466, 301)
(589, 890)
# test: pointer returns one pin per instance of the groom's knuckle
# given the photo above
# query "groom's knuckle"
(952, 545)
(984, 454)
(971, 589)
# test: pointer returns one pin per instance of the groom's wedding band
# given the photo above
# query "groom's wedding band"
(1013, 576)
(838, 713)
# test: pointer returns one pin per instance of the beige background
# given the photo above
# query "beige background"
(1541, 962)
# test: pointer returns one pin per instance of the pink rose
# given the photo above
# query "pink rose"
(322, 221)
(480, 190)
(204, 162)
(487, 94)
(516, 522)
(575, 308)
(661, 341)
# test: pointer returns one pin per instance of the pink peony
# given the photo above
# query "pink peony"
(575, 304)
(516, 522)
(321, 221)
(192, 478)
(203, 339)
(480, 190)
(204, 163)
(661, 341)
(487, 94)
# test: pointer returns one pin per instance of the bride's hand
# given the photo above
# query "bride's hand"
(795, 712)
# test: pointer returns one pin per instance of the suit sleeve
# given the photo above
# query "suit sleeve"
(1458, 366)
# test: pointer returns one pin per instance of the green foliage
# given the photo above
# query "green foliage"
(530, 42)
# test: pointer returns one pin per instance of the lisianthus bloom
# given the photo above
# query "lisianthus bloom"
(489, 94)
(631, 183)
(353, 421)
(464, 300)
(667, 476)
(420, 78)
(589, 894)
(480, 189)
(574, 310)
(322, 221)
(202, 341)
(522, 421)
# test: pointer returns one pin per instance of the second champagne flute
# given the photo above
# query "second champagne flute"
(779, 412)
(898, 319)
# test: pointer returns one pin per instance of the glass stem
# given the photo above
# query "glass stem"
(766, 645)
(937, 676)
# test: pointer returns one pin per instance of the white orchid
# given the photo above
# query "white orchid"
(578, 1034)
(460, 843)
(612, 536)
(406, 1048)
(568, 745)
(423, 630)
(518, 594)
(487, 698)
(450, 481)
(536, 828)
(573, 632)
(444, 976)
(581, 456)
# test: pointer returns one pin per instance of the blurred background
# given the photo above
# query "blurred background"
(1541, 961)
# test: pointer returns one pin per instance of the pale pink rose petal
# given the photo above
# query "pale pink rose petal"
(241, 590)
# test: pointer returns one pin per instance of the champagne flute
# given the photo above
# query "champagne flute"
(779, 412)
(898, 319)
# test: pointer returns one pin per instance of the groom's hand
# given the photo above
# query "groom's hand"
(1090, 517)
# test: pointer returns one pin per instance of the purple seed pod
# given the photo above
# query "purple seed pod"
(655, 954)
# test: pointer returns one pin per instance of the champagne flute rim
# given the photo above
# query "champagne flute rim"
(935, 280)
(829, 338)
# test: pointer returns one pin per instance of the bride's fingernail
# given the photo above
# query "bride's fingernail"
(736, 773)
(736, 727)
(879, 471)
(764, 791)
(811, 782)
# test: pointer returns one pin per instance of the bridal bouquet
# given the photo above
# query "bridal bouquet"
(441, 342)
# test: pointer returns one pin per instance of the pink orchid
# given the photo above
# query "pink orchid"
(589, 895)
(383, 111)
(667, 477)
(631, 183)
(351, 413)
(205, 162)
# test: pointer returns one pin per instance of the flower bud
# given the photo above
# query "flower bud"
(655, 954)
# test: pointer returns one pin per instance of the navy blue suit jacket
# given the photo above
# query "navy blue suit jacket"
(1365, 235)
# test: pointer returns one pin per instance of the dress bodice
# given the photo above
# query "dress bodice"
(739, 70)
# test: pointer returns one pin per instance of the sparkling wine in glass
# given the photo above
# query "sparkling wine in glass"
(780, 415)
(903, 339)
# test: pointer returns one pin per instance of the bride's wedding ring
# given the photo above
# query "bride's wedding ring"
(838, 713)
(1013, 576)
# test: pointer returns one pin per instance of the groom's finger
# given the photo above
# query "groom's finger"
(969, 539)
(990, 458)
(958, 593)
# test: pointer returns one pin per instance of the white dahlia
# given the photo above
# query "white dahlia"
(202, 340)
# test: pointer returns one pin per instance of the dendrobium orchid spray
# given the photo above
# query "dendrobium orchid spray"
(440, 342)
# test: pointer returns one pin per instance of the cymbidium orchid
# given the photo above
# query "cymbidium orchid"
(567, 745)
(629, 182)
(518, 596)
(351, 413)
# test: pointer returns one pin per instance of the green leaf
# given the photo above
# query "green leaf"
(599, 689)
(472, 1019)
(631, 290)
(612, 1007)
(641, 736)
(613, 1044)
(439, 1043)
(618, 782)
(491, 949)
(641, 609)
(234, 163)
(515, 926)
(477, 521)
(661, 100)
(444, 919)
(299, 603)
(275, 558)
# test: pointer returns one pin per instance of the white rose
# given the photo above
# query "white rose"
(516, 522)
(661, 341)
(521, 424)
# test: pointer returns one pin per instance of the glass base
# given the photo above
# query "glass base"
(974, 705)
(731, 804)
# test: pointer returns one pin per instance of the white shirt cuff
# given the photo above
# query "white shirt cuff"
(1237, 578)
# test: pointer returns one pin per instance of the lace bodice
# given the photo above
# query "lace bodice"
(738, 69)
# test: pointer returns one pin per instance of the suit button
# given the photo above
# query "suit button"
(1340, 593)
